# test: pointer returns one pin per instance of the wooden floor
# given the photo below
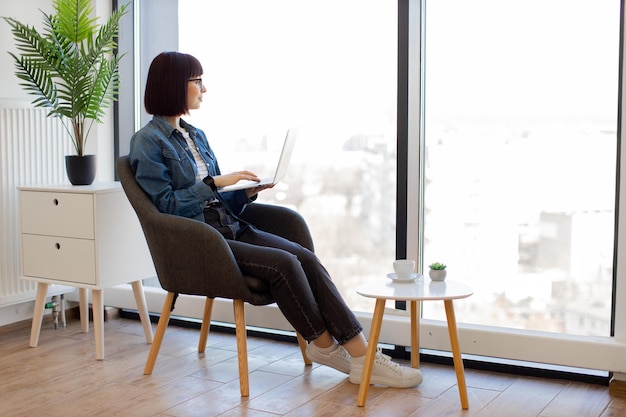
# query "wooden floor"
(61, 378)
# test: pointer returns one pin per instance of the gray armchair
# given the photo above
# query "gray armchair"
(175, 243)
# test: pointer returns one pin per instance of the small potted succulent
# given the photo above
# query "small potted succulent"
(437, 271)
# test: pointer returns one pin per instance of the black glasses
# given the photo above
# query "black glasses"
(198, 81)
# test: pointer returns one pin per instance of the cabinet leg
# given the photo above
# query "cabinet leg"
(98, 322)
(140, 300)
(83, 306)
(63, 318)
(40, 301)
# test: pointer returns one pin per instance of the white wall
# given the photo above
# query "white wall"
(24, 11)
(100, 141)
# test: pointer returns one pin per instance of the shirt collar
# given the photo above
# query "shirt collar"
(168, 129)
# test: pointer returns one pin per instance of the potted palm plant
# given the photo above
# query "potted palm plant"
(72, 70)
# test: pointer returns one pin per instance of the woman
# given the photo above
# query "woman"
(177, 168)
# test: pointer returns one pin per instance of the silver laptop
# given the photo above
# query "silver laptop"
(281, 168)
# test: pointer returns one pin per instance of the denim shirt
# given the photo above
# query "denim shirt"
(165, 168)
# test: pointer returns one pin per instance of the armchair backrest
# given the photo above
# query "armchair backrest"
(189, 256)
(138, 198)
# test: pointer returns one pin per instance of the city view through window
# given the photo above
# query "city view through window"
(521, 131)
(330, 68)
(521, 119)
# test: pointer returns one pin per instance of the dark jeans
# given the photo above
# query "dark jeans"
(219, 218)
(298, 282)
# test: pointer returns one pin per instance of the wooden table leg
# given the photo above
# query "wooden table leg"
(83, 308)
(98, 322)
(456, 353)
(40, 303)
(142, 308)
(372, 346)
(415, 334)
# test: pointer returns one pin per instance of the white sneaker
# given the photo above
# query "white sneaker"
(386, 373)
(338, 359)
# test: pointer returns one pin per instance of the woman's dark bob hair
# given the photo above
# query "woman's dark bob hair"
(166, 87)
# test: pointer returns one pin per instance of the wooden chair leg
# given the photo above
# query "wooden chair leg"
(303, 344)
(242, 347)
(206, 324)
(160, 332)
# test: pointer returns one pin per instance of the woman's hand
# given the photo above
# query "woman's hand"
(232, 178)
(251, 192)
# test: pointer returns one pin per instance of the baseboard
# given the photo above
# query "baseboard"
(73, 313)
(110, 313)
(48, 320)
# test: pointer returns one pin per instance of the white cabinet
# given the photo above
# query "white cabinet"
(87, 237)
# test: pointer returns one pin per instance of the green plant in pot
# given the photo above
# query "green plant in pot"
(72, 70)
(437, 271)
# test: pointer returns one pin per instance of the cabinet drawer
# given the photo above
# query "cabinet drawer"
(57, 214)
(59, 258)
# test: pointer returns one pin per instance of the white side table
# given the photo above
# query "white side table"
(86, 237)
(422, 289)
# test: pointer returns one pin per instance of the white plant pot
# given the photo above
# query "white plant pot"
(437, 274)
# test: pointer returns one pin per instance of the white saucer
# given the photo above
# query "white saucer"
(392, 276)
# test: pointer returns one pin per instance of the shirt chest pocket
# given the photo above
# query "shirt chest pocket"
(182, 169)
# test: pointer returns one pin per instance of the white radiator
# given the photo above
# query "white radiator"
(32, 151)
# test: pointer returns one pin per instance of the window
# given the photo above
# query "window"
(521, 140)
(518, 135)
(330, 68)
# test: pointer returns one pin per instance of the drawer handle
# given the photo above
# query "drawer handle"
(57, 245)
(56, 202)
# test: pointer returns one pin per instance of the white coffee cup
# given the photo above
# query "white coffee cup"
(403, 267)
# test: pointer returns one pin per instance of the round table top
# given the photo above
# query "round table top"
(420, 289)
